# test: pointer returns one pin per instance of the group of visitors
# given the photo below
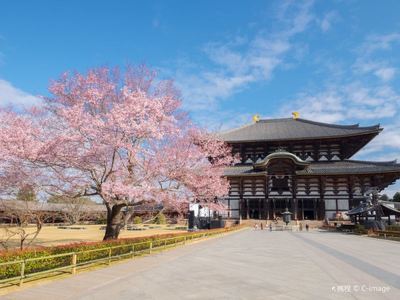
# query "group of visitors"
(262, 226)
(270, 226)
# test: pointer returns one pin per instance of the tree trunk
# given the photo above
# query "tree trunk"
(114, 221)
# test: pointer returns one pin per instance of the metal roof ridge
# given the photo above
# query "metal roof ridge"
(389, 162)
(274, 120)
(383, 163)
(351, 126)
(234, 129)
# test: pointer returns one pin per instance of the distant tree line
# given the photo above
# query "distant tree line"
(396, 197)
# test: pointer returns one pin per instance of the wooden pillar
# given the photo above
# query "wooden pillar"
(341, 150)
(303, 152)
(321, 188)
(316, 152)
(241, 203)
(247, 209)
(273, 209)
(266, 147)
(329, 152)
(290, 148)
(229, 206)
(350, 188)
(268, 206)
(240, 207)
(294, 195)
(337, 206)
(315, 209)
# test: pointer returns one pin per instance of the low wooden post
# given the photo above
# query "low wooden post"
(184, 240)
(22, 273)
(165, 244)
(150, 247)
(109, 255)
(73, 263)
(133, 251)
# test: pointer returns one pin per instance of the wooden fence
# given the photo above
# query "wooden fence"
(388, 234)
(69, 262)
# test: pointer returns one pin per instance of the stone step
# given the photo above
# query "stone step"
(311, 223)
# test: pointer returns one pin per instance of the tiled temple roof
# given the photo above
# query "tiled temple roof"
(347, 167)
(293, 129)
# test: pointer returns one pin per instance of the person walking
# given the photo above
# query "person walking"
(262, 226)
(270, 226)
(307, 226)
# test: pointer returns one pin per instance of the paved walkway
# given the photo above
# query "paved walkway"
(245, 265)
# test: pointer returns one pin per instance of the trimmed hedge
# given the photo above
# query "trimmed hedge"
(100, 250)
(393, 228)
(360, 229)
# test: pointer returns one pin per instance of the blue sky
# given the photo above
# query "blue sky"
(333, 61)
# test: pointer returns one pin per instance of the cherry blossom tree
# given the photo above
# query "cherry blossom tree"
(117, 136)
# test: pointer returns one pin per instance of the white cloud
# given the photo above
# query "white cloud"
(380, 42)
(339, 103)
(201, 92)
(218, 121)
(240, 61)
(386, 144)
(327, 21)
(12, 96)
(385, 74)
(379, 68)
(369, 57)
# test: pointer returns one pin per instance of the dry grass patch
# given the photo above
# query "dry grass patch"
(53, 236)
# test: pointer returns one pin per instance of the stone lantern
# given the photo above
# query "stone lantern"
(287, 216)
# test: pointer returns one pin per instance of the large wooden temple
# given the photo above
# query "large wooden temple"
(303, 166)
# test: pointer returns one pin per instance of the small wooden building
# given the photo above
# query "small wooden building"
(301, 165)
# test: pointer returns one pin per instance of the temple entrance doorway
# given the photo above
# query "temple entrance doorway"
(254, 209)
(308, 209)
(309, 215)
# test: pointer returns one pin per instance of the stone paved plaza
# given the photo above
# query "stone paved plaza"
(245, 265)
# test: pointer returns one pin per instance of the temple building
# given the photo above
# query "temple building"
(303, 166)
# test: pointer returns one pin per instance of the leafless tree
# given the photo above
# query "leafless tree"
(74, 210)
(26, 220)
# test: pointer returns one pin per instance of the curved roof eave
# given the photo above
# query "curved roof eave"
(279, 155)
(306, 138)
(287, 129)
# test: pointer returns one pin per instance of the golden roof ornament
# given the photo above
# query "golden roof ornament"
(256, 118)
(296, 115)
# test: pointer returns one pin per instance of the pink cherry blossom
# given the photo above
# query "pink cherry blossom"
(120, 138)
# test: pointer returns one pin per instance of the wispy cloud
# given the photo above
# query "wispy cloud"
(339, 103)
(380, 42)
(328, 19)
(236, 63)
(385, 73)
(370, 60)
(12, 96)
